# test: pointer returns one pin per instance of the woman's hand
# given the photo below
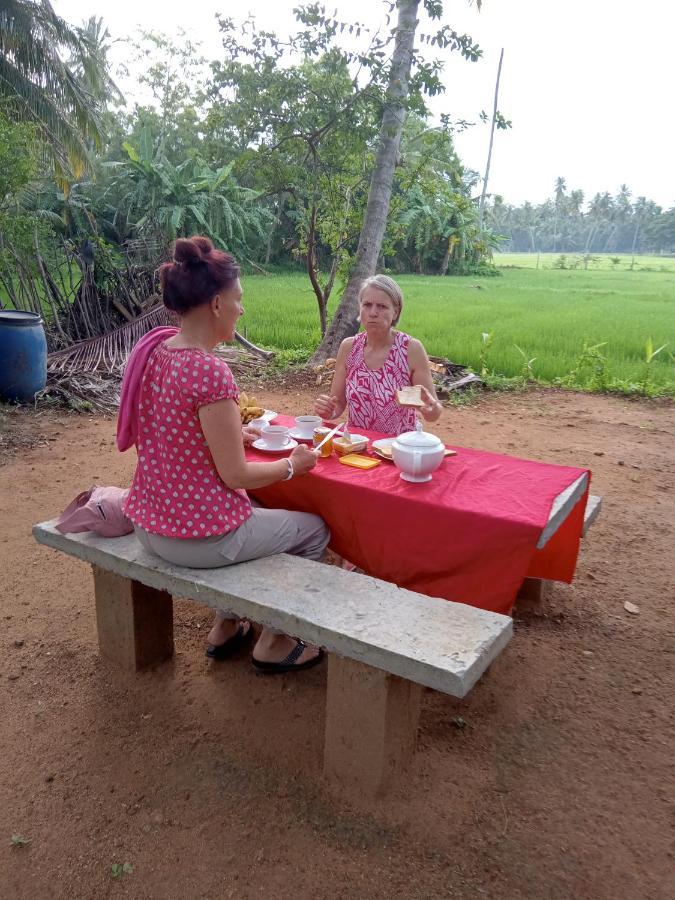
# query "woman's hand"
(249, 434)
(326, 406)
(303, 459)
(432, 408)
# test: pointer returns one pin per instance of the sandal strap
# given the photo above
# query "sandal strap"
(294, 655)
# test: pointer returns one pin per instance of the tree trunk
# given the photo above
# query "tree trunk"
(344, 322)
(446, 260)
(312, 271)
(611, 234)
(481, 205)
(632, 250)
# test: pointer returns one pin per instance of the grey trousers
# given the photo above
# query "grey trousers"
(265, 533)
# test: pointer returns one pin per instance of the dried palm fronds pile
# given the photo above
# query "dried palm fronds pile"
(109, 352)
(87, 375)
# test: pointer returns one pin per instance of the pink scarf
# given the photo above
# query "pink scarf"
(127, 418)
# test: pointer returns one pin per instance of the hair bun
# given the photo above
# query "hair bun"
(196, 274)
(192, 250)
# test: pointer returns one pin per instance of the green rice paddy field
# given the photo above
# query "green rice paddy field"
(548, 312)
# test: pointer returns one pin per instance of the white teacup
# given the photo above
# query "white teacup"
(305, 425)
(275, 436)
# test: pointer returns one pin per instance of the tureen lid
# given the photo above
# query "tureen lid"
(418, 439)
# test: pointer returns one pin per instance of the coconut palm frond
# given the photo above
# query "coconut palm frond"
(38, 85)
(109, 352)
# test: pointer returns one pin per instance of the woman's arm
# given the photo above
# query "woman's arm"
(330, 406)
(420, 373)
(221, 424)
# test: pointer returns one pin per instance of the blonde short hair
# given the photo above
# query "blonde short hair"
(390, 288)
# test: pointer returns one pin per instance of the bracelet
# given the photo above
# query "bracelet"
(291, 470)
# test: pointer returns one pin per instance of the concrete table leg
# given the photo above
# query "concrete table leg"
(371, 726)
(534, 589)
(135, 622)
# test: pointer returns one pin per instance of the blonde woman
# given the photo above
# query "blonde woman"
(377, 362)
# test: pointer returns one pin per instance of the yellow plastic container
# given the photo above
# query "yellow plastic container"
(359, 462)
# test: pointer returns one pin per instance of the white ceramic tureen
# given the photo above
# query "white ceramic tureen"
(417, 454)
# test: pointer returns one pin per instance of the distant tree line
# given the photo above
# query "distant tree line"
(566, 223)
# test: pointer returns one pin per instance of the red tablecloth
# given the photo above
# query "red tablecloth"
(468, 535)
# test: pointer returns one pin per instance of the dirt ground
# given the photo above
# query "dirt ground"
(206, 778)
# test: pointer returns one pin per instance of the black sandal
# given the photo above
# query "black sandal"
(231, 645)
(288, 664)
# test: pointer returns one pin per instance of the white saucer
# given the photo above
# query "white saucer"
(299, 436)
(260, 444)
(269, 414)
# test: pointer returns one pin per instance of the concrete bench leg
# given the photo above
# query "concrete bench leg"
(135, 622)
(371, 726)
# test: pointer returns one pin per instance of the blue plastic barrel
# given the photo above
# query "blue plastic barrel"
(23, 355)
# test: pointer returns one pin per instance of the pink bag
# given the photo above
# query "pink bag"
(100, 509)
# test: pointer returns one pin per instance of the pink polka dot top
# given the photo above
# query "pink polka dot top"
(177, 491)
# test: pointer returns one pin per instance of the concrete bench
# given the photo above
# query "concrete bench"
(385, 643)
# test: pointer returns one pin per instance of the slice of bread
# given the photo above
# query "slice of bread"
(410, 396)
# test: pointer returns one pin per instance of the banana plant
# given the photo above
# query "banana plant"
(158, 196)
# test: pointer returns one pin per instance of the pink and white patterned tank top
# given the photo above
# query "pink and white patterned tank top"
(371, 393)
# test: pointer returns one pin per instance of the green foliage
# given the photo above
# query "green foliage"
(486, 343)
(304, 132)
(190, 198)
(117, 870)
(38, 86)
(527, 372)
(434, 223)
(590, 368)
(18, 161)
(646, 386)
(19, 225)
(285, 358)
(17, 840)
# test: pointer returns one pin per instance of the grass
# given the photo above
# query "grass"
(602, 261)
(548, 313)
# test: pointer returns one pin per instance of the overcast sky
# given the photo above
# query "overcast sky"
(588, 84)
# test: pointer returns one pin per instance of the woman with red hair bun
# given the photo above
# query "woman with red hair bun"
(179, 408)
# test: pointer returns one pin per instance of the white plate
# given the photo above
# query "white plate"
(269, 414)
(260, 444)
(383, 443)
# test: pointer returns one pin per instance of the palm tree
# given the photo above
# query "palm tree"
(560, 188)
(36, 84)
